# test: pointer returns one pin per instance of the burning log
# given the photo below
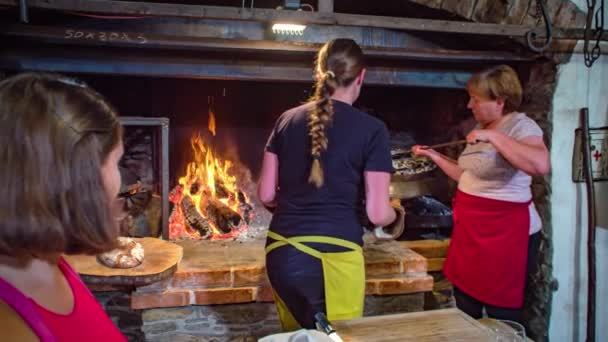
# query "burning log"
(219, 213)
(245, 207)
(194, 219)
(194, 188)
(207, 198)
(221, 190)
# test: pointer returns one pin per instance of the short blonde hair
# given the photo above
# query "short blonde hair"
(55, 135)
(499, 82)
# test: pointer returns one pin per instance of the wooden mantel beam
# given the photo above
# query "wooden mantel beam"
(89, 37)
(70, 60)
(272, 15)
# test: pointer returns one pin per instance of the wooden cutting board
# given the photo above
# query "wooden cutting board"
(427, 326)
(160, 261)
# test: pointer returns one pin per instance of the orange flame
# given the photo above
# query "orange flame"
(211, 176)
(211, 124)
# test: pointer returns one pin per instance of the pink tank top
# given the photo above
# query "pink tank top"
(87, 321)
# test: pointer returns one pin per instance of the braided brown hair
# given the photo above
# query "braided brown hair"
(338, 64)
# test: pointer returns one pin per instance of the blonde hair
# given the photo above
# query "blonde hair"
(338, 64)
(499, 82)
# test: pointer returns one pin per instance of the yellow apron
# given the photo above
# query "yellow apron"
(343, 277)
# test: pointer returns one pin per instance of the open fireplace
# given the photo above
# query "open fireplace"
(216, 135)
(220, 85)
(199, 88)
(193, 145)
(216, 132)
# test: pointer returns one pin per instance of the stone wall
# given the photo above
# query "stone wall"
(563, 13)
(220, 293)
(538, 99)
(231, 322)
(435, 251)
(442, 296)
(386, 305)
(219, 272)
(245, 322)
(117, 305)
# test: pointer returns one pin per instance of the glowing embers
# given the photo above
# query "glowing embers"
(207, 201)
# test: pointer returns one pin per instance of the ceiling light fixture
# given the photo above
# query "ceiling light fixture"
(291, 4)
(288, 29)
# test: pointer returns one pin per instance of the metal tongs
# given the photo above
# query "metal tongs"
(451, 143)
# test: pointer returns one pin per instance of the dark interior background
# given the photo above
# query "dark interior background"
(246, 111)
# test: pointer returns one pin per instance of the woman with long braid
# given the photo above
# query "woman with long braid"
(324, 164)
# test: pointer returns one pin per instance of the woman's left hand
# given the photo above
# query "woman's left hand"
(528, 154)
(480, 135)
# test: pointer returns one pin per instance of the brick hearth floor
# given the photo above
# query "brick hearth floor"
(220, 272)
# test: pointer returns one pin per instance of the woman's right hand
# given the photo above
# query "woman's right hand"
(422, 150)
(447, 165)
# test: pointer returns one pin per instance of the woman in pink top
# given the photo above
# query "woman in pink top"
(60, 143)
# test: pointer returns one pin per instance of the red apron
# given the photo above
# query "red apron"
(489, 249)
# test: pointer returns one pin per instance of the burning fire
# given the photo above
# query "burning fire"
(208, 203)
(206, 169)
(211, 124)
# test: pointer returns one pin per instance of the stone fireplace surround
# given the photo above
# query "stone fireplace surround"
(220, 292)
(565, 14)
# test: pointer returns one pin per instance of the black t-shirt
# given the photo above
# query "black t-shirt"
(357, 142)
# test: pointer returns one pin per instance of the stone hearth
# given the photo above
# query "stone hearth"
(217, 272)
(220, 293)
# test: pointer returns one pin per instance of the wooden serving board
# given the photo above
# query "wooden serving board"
(433, 325)
(160, 261)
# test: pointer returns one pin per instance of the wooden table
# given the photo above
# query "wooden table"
(160, 262)
(433, 325)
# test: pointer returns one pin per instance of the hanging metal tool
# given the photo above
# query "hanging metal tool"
(532, 34)
(23, 12)
(447, 144)
(243, 5)
(591, 212)
(593, 54)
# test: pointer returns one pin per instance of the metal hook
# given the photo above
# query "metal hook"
(532, 35)
(23, 11)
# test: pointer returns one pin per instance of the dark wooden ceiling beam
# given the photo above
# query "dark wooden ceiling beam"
(89, 62)
(87, 37)
(303, 17)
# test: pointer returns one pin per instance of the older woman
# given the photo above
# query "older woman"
(496, 226)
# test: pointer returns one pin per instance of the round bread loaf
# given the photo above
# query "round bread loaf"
(130, 253)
